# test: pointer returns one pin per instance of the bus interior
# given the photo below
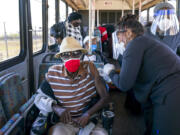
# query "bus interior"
(25, 54)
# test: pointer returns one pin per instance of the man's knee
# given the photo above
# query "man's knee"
(99, 131)
(62, 129)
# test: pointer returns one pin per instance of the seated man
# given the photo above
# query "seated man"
(57, 31)
(74, 84)
(96, 55)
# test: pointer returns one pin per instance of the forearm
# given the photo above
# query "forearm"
(56, 107)
(99, 105)
(123, 83)
(115, 78)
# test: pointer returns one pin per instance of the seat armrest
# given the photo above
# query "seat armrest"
(10, 123)
(27, 106)
(17, 128)
(30, 117)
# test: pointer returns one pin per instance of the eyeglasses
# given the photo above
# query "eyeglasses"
(74, 54)
(121, 31)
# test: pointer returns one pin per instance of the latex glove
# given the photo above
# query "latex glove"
(108, 68)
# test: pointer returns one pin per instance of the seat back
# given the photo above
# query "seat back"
(3, 119)
(43, 69)
(11, 94)
(47, 61)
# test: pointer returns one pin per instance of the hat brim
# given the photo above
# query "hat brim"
(58, 55)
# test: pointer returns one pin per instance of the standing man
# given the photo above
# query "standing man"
(71, 27)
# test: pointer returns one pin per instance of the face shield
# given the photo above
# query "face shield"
(165, 23)
(118, 44)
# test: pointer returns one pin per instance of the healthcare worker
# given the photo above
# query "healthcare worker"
(165, 26)
(153, 70)
(96, 55)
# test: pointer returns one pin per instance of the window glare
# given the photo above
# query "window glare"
(69, 10)
(9, 30)
(51, 20)
(36, 14)
(62, 11)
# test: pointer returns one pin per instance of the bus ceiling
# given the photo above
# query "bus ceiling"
(113, 4)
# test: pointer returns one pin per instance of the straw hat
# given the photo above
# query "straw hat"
(69, 44)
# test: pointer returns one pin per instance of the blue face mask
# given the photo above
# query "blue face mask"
(93, 47)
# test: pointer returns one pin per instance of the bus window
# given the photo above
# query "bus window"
(36, 15)
(119, 15)
(151, 13)
(9, 29)
(69, 10)
(103, 17)
(111, 17)
(143, 18)
(173, 2)
(62, 11)
(51, 20)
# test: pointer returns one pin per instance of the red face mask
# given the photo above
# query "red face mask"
(72, 65)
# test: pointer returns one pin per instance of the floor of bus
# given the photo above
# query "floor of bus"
(125, 123)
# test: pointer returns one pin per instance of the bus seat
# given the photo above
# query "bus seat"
(13, 104)
(30, 116)
(3, 118)
(43, 69)
(11, 94)
(29, 112)
(14, 126)
(47, 61)
(26, 106)
(49, 58)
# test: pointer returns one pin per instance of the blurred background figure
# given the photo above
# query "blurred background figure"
(71, 27)
(165, 26)
(58, 32)
(94, 54)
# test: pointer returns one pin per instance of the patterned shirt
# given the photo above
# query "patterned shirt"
(74, 94)
(75, 32)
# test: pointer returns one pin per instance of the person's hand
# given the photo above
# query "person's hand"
(108, 68)
(63, 113)
(83, 120)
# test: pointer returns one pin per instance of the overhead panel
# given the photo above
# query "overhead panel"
(71, 3)
(150, 4)
(112, 5)
(80, 4)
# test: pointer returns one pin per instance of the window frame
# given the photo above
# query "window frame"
(61, 15)
(44, 38)
(21, 57)
(49, 26)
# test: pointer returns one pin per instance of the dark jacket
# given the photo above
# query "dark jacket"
(150, 67)
(171, 41)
